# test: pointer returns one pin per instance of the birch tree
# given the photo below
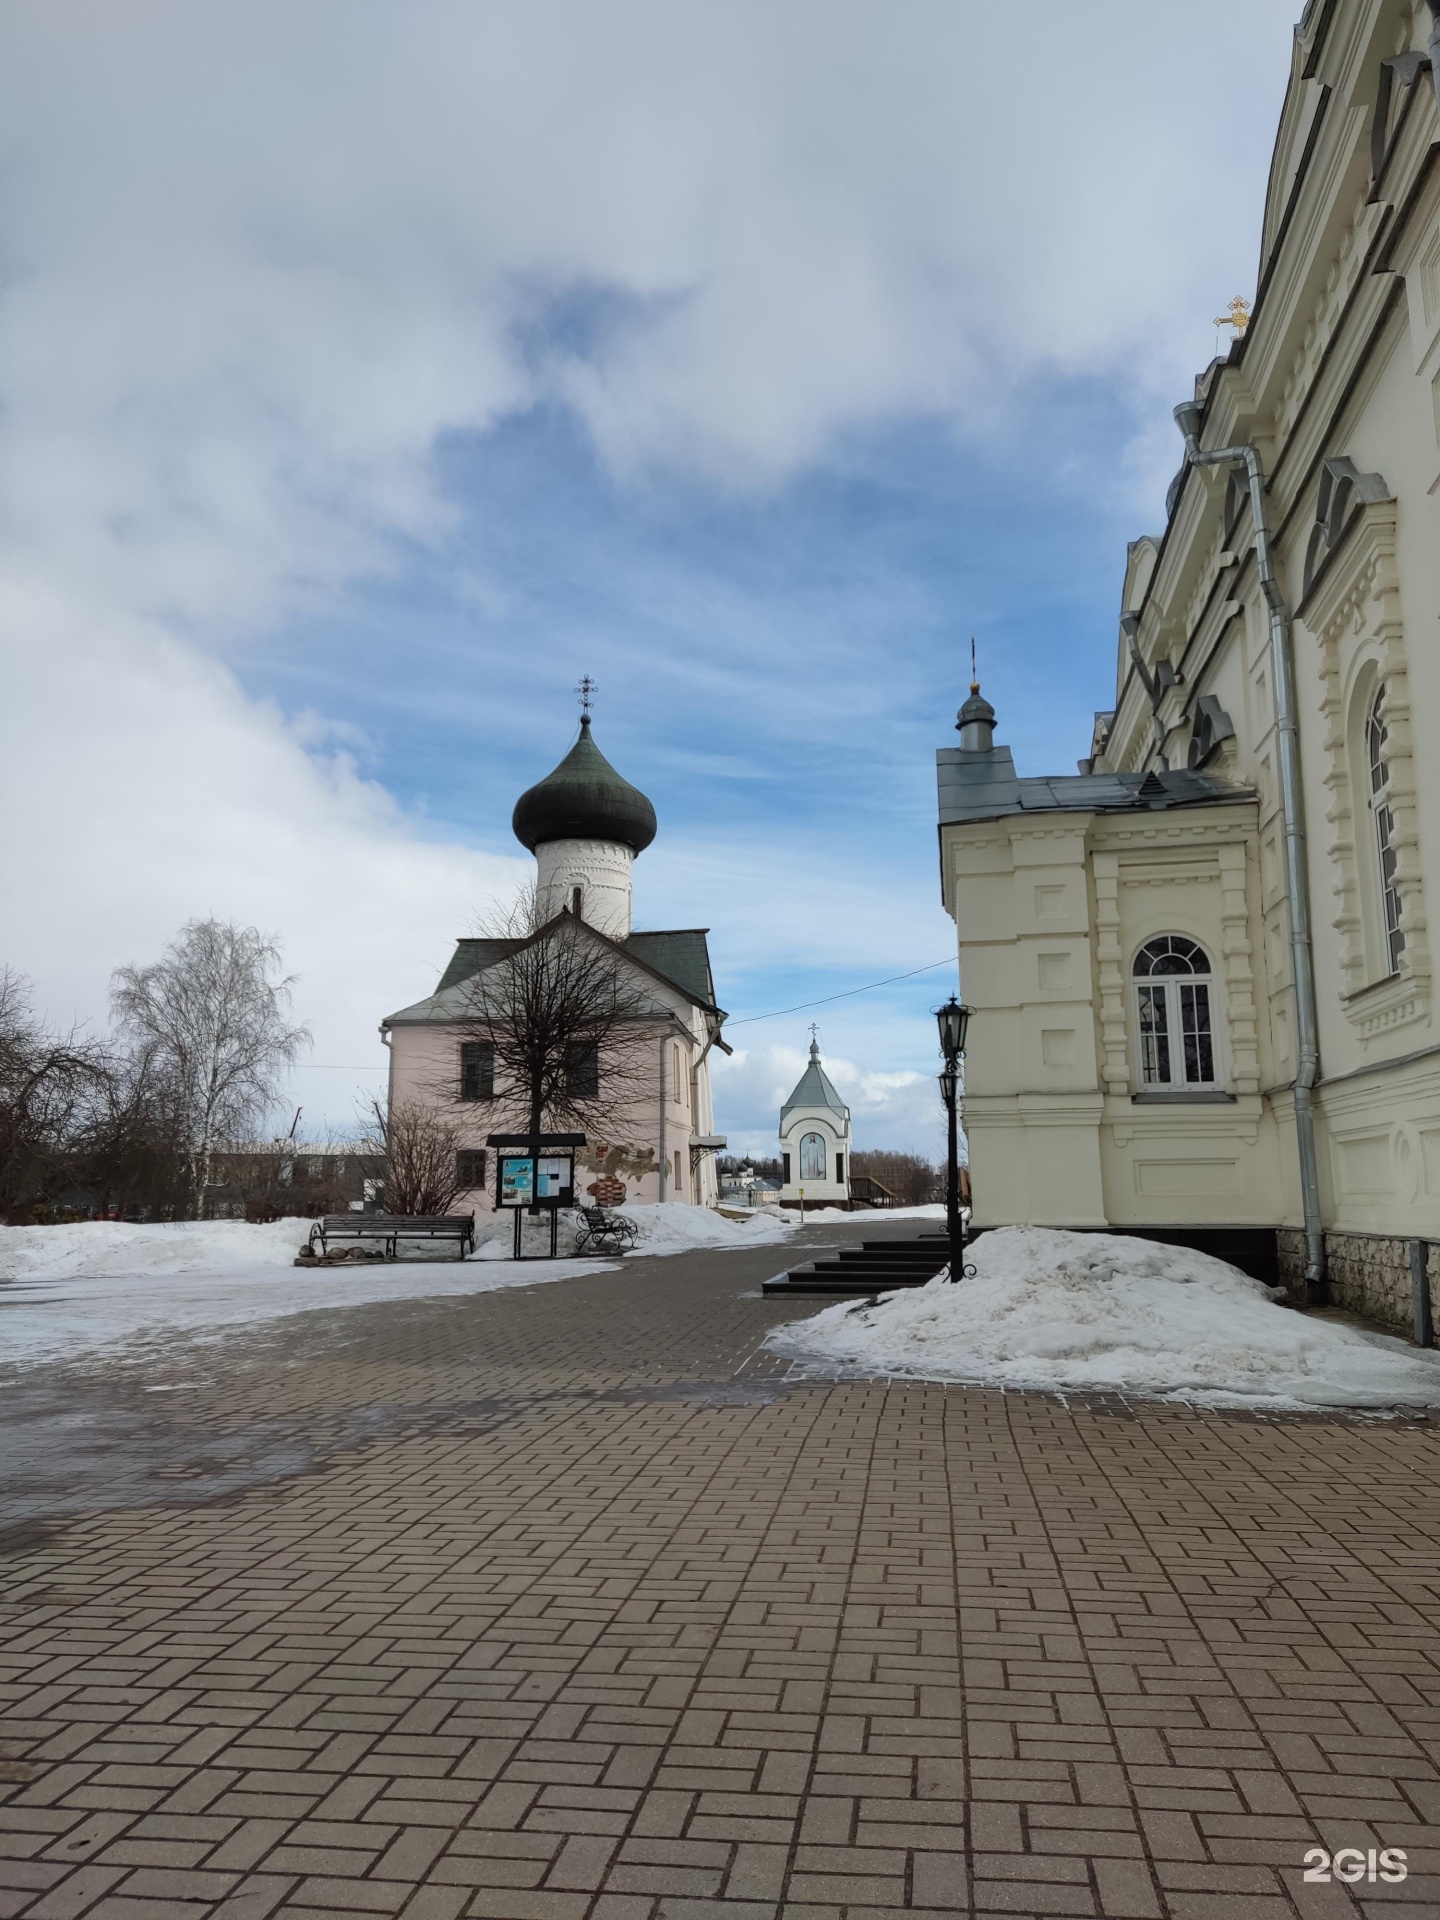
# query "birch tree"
(212, 1016)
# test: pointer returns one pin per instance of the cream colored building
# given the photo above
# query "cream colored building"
(1147, 1048)
(585, 825)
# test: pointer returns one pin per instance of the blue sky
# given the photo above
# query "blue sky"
(748, 358)
(775, 669)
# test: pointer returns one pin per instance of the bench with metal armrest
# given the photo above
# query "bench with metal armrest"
(603, 1232)
(392, 1228)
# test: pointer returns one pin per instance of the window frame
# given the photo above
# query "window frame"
(1180, 995)
(482, 1059)
(1380, 803)
(582, 1070)
(473, 1154)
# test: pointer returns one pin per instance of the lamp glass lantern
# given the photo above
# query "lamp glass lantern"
(949, 1085)
(953, 1020)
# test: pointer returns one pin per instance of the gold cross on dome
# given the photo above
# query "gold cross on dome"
(586, 690)
(1236, 315)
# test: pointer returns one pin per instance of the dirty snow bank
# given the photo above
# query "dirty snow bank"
(95, 1247)
(1086, 1312)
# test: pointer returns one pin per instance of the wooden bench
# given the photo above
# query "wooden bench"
(395, 1227)
(604, 1232)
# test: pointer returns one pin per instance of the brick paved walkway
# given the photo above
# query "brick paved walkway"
(605, 1622)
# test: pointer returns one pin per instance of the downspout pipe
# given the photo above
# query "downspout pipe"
(1292, 809)
(664, 1163)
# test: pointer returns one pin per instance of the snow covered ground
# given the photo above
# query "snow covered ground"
(1085, 1312)
(71, 1291)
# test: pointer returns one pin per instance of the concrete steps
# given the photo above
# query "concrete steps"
(875, 1266)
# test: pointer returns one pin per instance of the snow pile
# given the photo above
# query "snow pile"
(1087, 1312)
(70, 1292)
(672, 1227)
(873, 1216)
(91, 1248)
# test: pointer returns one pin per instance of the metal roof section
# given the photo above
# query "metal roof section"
(814, 1089)
(680, 956)
(985, 786)
(474, 956)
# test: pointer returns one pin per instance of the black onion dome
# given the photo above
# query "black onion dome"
(584, 799)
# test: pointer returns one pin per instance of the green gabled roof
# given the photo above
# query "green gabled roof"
(681, 957)
(474, 956)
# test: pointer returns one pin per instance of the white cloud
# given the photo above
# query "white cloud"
(154, 793)
(261, 259)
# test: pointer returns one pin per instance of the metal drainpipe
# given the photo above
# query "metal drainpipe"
(664, 1042)
(1292, 808)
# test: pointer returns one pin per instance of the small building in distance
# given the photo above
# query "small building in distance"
(745, 1187)
(287, 1179)
(815, 1140)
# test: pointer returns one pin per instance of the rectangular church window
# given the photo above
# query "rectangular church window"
(470, 1169)
(477, 1070)
(582, 1070)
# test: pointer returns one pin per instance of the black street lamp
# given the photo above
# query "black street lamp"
(953, 1020)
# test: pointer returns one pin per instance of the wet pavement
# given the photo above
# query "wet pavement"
(571, 1602)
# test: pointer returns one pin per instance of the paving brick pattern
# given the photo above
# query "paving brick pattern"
(610, 1625)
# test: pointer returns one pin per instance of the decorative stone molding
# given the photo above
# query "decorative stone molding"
(1343, 492)
(1237, 956)
(1353, 609)
(1238, 1125)
(1110, 956)
(1339, 282)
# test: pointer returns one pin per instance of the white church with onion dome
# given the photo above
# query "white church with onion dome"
(585, 825)
(815, 1140)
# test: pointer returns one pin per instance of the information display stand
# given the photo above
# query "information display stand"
(535, 1173)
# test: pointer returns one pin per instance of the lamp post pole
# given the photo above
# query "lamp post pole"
(953, 1020)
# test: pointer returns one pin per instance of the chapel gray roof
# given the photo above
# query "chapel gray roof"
(814, 1089)
(584, 799)
(681, 956)
(985, 786)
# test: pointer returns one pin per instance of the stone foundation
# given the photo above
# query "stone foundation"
(1369, 1273)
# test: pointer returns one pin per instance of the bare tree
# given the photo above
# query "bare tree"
(561, 1032)
(422, 1156)
(50, 1086)
(913, 1181)
(211, 1017)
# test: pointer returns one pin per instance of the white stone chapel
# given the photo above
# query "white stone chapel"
(815, 1140)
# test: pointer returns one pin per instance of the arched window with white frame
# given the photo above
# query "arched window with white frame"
(1174, 1015)
(1382, 814)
